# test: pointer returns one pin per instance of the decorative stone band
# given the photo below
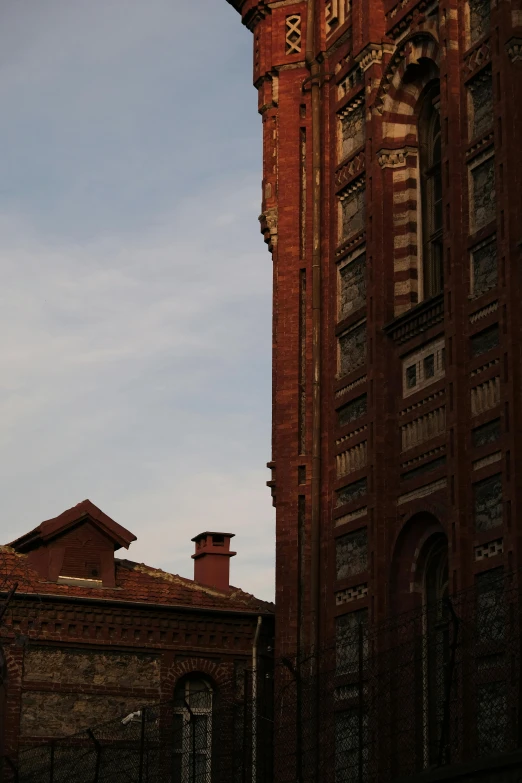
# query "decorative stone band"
(393, 159)
(492, 548)
(489, 460)
(350, 386)
(350, 435)
(351, 517)
(351, 594)
(351, 80)
(514, 49)
(422, 492)
(424, 428)
(485, 367)
(485, 396)
(373, 53)
(352, 168)
(485, 311)
(353, 459)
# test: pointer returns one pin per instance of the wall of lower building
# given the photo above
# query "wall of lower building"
(77, 665)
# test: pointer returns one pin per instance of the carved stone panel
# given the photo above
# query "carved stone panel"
(487, 433)
(484, 267)
(352, 410)
(352, 285)
(353, 209)
(351, 554)
(480, 104)
(488, 503)
(352, 130)
(351, 492)
(352, 349)
(485, 341)
(351, 642)
(479, 19)
(483, 196)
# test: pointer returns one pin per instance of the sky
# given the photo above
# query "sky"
(135, 296)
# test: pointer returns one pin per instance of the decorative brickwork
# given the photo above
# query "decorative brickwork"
(293, 34)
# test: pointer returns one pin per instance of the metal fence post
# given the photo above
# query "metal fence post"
(361, 703)
(98, 755)
(142, 745)
(51, 764)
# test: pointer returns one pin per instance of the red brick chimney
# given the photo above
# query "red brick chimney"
(212, 559)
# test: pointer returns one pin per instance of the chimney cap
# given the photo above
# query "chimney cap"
(212, 533)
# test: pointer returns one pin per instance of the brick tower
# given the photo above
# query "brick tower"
(391, 205)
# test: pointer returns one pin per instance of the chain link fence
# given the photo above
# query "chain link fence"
(429, 690)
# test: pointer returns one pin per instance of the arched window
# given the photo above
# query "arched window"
(430, 155)
(436, 647)
(192, 731)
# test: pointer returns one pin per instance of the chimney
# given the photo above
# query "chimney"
(212, 559)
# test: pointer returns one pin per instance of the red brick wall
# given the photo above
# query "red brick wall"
(383, 40)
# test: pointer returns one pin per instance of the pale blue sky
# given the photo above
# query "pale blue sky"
(135, 297)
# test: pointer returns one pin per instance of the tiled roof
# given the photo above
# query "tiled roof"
(54, 527)
(135, 582)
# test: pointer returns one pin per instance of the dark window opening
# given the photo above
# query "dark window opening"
(430, 140)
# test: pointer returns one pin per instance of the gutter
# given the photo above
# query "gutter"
(254, 699)
(137, 604)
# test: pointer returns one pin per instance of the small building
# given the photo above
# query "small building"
(88, 638)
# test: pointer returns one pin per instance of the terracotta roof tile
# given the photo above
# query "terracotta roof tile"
(135, 582)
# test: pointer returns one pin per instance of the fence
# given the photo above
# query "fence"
(430, 690)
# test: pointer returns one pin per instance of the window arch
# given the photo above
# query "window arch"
(435, 587)
(430, 172)
(193, 700)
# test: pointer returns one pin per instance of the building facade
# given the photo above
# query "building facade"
(88, 638)
(391, 204)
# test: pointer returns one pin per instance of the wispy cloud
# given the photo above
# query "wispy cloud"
(134, 362)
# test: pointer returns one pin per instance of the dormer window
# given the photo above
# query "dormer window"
(77, 548)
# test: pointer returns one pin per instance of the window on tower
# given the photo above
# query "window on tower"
(430, 164)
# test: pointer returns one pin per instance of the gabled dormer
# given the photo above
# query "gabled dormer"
(77, 547)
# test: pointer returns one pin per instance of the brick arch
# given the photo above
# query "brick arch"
(408, 557)
(221, 675)
(414, 66)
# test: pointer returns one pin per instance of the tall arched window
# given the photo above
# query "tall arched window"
(436, 648)
(430, 154)
(192, 731)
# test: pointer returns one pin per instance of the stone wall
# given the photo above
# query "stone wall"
(78, 667)
(59, 714)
